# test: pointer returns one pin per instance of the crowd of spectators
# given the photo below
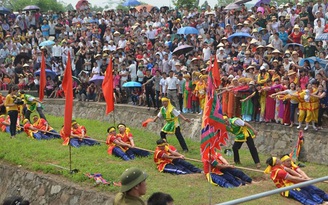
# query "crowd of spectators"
(264, 77)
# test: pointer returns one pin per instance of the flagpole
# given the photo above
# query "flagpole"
(70, 156)
(210, 185)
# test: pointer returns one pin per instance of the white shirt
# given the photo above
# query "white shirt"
(207, 53)
(96, 71)
(163, 84)
(151, 34)
(133, 71)
(175, 112)
(56, 51)
(172, 83)
(239, 122)
(318, 30)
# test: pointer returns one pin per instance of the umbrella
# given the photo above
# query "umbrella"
(322, 37)
(322, 62)
(188, 30)
(80, 3)
(232, 6)
(164, 8)
(251, 3)
(240, 35)
(31, 7)
(131, 85)
(129, 3)
(294, 44)
(76, 79)
(47, 43)
(182, 50)
(262, 2)
(97, 79)
(241, 1)
(49, 72)
(148, 7)
(19, 57)
(4, 10)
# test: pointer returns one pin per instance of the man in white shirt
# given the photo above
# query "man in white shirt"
(151, 34)
(163, 84)
(206, 52)
(318, 30)
(172, 88)
(133, 71)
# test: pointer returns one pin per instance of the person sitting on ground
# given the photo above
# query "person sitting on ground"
(126, 136)
(218, 171)
(32, 104)
(282, 178)
(116, 145)
(293, 169)
(134, 185)
(160, 198)
(4, 124)
(78, 136)
(42, 125)
(32, 132)
(170, 161)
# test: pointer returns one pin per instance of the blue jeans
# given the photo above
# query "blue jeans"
(132, 152)
(76, 142)
(186, 166)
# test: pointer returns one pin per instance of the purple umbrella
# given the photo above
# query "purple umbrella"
(262, 1)
(31, 7)
(182, 50)
(97, 79)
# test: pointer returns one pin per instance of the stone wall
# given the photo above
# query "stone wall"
(272, 138)
(45, 190)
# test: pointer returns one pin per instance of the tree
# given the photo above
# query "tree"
(44, 5)
(204, 5)
(185, 3)
(70, 7)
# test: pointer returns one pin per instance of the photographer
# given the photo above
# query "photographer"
(12, 103)
(91, 92)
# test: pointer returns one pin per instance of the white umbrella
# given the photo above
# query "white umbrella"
(232, 6)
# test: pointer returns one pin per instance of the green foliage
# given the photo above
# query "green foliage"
(69, 7)
(44, 5)
(204, 5)
(186, 190)
(185, 3)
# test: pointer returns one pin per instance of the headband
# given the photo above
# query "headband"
(112, 129)
(269, 167)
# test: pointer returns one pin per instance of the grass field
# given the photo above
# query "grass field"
(186, 190)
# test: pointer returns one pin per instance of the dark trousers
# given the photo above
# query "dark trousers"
(158, 104)
(180, 98)
(38, 109)
(221, 181)
(251, 146)
(237, 174)
(150, 93)
(320, 115)
(302, 197)
(179, 137)
(13, 115)
(292, 111)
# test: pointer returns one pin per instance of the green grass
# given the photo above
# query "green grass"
(186, 190)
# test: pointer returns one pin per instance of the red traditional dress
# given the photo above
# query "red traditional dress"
(159, 160)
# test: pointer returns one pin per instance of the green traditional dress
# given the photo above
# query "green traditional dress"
(30, 105)
(241, 132)
(171, 121)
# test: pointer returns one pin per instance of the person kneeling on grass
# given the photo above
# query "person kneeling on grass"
(32, 132)
(42, 125)
(126, 136)
(218, 171)
(283, 178)
(116, 146)
(78, 136)
(170, 161)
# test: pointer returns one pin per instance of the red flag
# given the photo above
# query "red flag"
(216, 73)
(68, 90)
(42, 77)
(108, 88)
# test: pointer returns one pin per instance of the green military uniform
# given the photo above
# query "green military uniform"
(309, 51)
(124, 199)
